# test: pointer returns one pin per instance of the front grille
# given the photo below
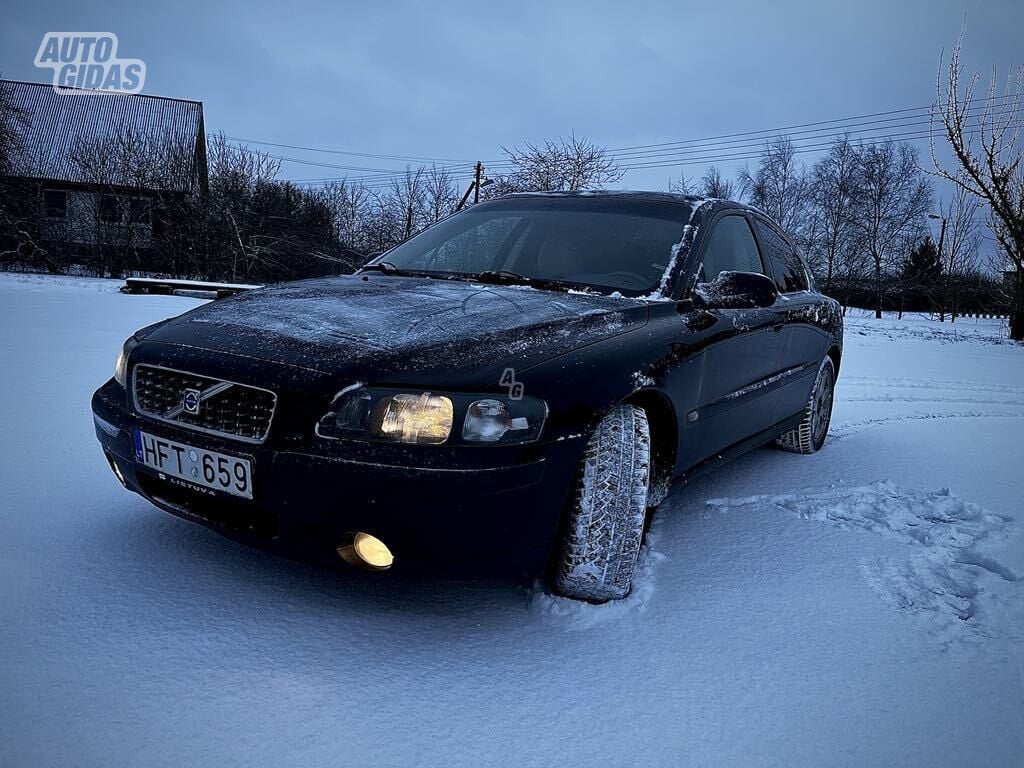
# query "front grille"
(221, 407)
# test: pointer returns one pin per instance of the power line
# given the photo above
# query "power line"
(748, 151)
(850, 128)
(401, 158)
(721, 148)
(836, 126)
(789, 128)
(754, 153)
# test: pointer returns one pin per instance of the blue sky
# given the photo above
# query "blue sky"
(459, 80)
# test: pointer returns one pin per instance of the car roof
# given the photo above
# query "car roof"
(694, 201)
(668, 197)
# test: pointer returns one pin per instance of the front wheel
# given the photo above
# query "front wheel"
(605, 519)
(809, 435)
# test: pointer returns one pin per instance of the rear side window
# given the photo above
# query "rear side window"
(786, 266)
(731, 249)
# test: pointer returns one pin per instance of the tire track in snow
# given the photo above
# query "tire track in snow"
(848, 428)
(875, 382)
(944, 401)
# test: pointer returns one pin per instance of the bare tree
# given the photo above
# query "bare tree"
(238, 231)
(990, 156)
(833, 191)
(383, 225)
(441, 194)
(713, 184)
(960, 248)
(567, 165)
(894, 200)
(21, 215)
(349, 205)
(13, 122)
(778, 185)
(408, 194)
(680, 186)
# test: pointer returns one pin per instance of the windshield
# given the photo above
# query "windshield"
(608, 244)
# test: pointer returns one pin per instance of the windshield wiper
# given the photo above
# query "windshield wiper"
(383, 266)
(390, 269)
(506, 277)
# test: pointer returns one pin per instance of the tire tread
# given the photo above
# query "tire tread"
(606, 513)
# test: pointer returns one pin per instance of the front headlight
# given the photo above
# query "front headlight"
(413, 418)
(121, 366)
(430, 418)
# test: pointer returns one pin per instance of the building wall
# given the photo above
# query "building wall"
(84, 224)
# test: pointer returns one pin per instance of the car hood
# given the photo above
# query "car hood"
(381, 328)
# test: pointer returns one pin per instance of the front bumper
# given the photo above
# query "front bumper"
(487, 519)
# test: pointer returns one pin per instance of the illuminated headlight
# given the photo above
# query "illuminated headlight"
(429, 418)
(121, 366)
(388, 416)
(413, 418)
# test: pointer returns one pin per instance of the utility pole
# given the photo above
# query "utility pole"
(945, 274)
(474, 186)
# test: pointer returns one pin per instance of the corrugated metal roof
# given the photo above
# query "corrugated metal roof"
(54, 122)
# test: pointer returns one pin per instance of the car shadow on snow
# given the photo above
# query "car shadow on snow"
(156, 551)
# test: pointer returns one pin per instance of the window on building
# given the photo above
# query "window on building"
(110, 209)
(55, 203)
(140, 210)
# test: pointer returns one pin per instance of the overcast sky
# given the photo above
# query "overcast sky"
(457, 81)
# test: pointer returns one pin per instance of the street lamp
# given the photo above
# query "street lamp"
(942, 232)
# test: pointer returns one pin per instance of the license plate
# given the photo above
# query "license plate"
(198, 466)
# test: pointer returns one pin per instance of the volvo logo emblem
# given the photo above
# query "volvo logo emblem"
(190, 401)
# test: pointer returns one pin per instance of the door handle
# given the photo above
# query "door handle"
(777, 327)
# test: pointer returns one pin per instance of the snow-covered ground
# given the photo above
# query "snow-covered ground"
(863, 606)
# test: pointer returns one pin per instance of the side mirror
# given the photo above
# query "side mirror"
(736, 290)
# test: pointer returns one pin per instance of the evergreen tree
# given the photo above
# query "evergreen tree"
(922, 275)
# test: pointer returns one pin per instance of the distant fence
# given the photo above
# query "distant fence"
(197, 288)
(984, 315)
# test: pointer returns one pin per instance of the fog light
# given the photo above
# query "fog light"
(367, 551)
(372, 551)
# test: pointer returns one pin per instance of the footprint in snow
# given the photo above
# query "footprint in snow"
(945, 575)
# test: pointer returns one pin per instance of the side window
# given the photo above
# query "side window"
(731, 249)
(786, 267)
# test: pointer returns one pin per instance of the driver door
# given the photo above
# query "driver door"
(742, 350)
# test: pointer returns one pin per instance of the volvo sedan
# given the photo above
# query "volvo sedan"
(518, 386)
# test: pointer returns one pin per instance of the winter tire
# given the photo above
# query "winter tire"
(809, 435)
(605, 520)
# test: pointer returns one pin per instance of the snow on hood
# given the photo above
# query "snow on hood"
(388, 323)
